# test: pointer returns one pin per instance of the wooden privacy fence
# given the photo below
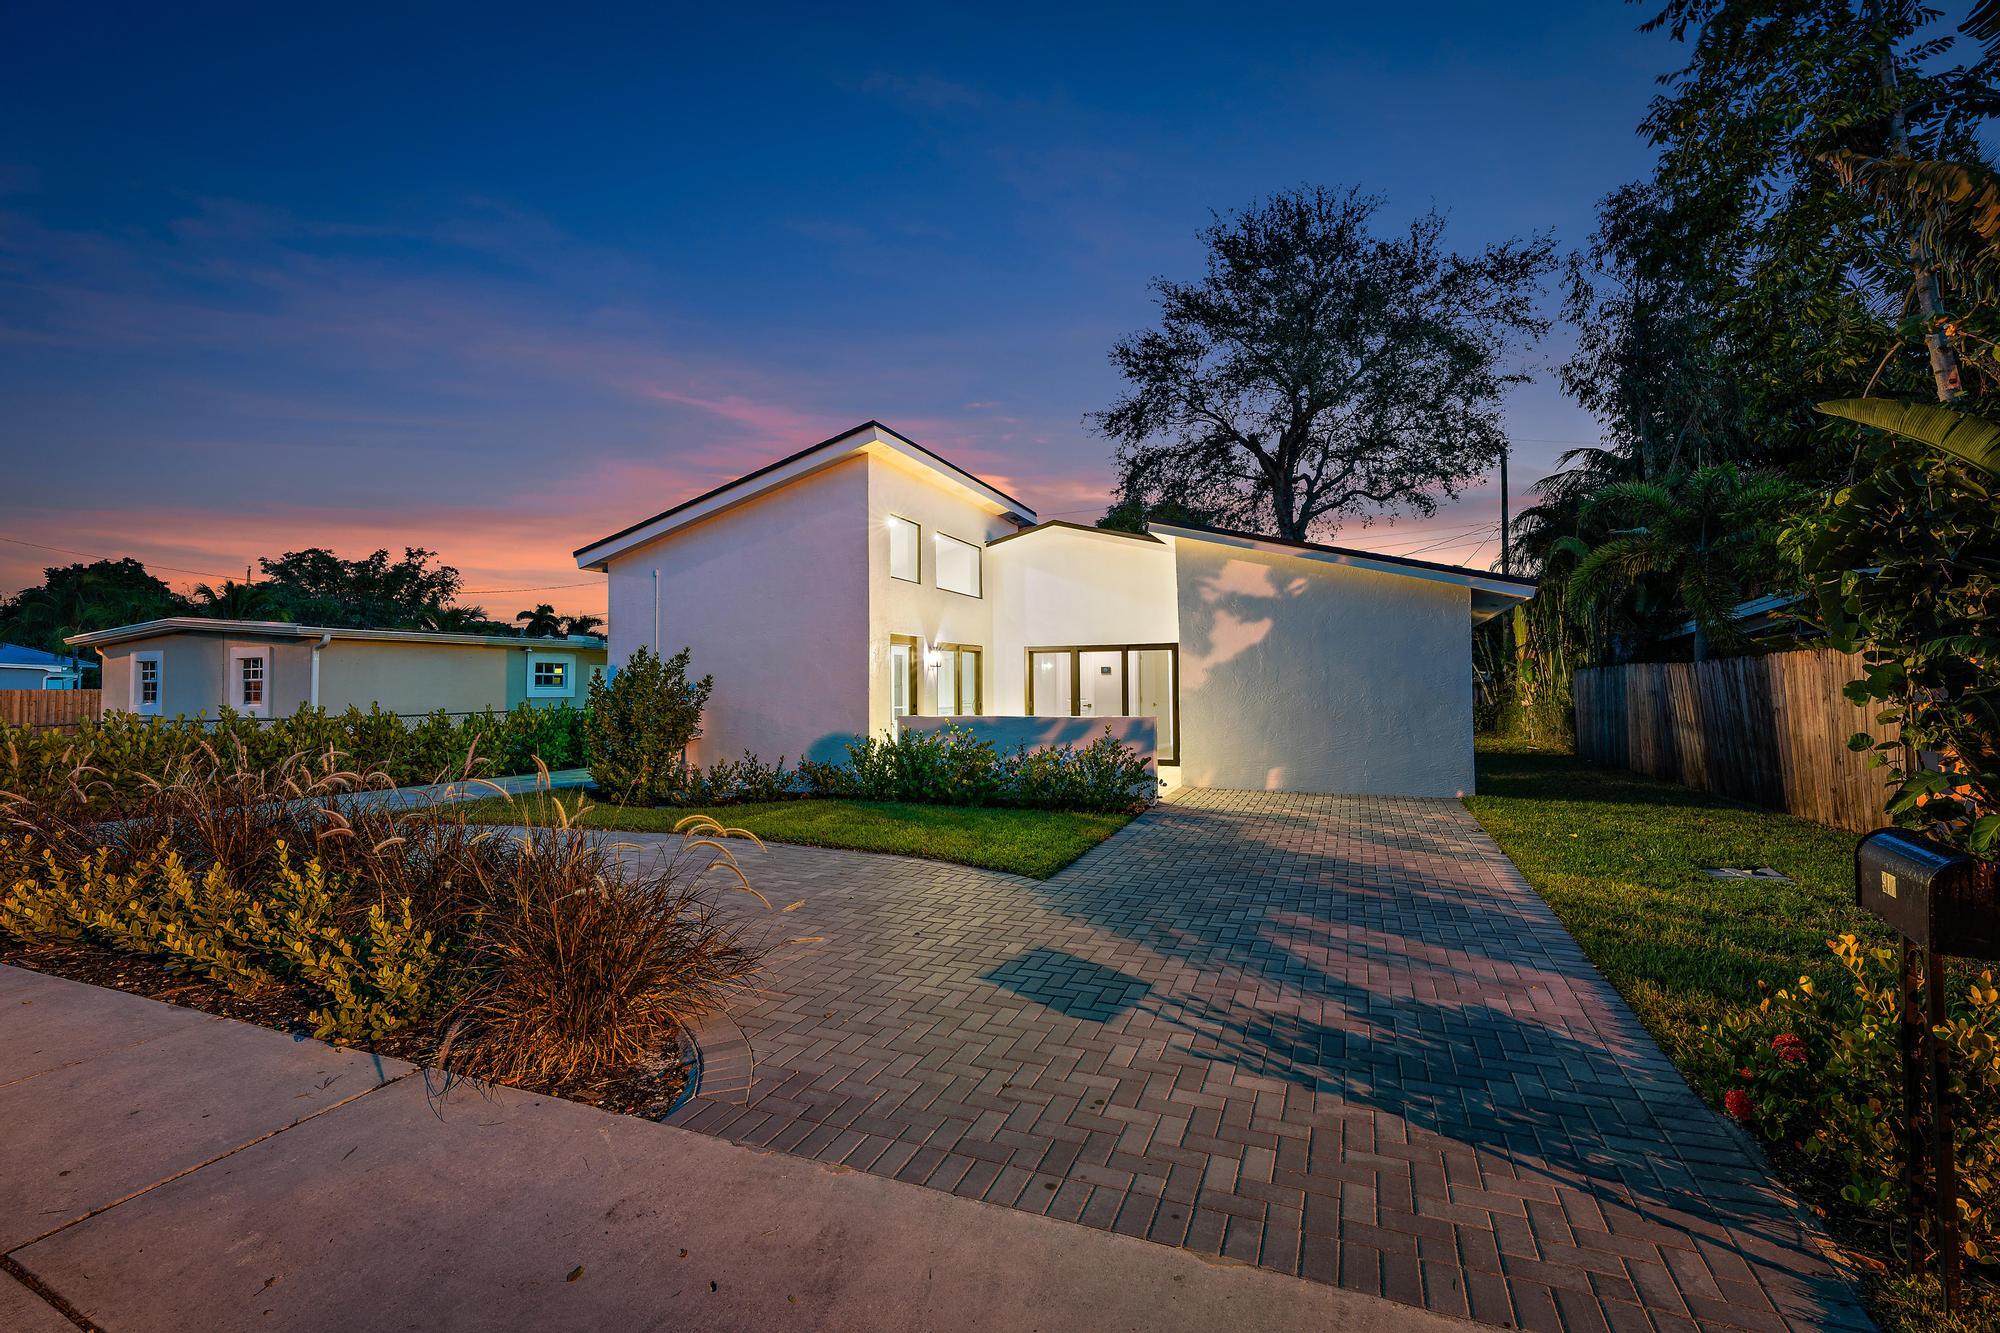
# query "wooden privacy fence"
(1771, 731)
(50, 708)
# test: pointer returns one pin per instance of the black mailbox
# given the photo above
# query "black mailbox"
(1934, 897)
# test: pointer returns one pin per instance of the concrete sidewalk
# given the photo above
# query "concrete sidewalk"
(163, 1169)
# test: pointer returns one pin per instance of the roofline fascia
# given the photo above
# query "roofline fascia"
(1075, 527)
(284, 629)
(1508, 585)
(595, 555)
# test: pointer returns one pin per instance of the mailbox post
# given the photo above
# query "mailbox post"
(1941, 905)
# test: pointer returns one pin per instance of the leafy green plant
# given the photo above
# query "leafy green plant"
(638, 725)
(1904, 566)
(1816, 1069)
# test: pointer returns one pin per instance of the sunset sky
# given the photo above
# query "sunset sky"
(499, 281)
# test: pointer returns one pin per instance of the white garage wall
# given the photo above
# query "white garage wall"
(772, 597)
(1298, 675)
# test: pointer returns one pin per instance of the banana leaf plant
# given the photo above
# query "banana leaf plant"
(1972, 440)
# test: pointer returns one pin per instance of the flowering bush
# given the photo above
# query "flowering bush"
(1816, 1068)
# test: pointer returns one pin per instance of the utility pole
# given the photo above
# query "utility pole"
(1506, 551)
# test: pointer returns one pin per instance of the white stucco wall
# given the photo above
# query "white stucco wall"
(1298, 675)
(923, 610)
(772, 597)
(1060, 587)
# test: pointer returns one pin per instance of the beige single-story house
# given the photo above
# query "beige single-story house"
(865, 580)
(190, 665)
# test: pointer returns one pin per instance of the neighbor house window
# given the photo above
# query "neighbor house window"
(958, 681)
(903, 650)
(1111, 680)
(905, 550)
(957, 566)
(250, 682)
(549, 676)
(146, 682)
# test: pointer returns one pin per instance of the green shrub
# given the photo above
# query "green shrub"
(110, 761)
(951, 766)
(1816, 1068)
(554, 957)
(367, 978)
(637, 728)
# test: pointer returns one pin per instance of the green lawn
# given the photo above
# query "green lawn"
(1620, 858)
(1036, 843)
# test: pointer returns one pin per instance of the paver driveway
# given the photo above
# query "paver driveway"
(1335, 1036)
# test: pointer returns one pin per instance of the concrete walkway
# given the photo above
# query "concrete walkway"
(164, 1170)
(1337, 1037)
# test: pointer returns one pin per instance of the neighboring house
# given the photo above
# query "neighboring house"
(189, 665)
(32, 669)
(866, 579)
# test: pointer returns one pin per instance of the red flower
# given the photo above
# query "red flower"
(1789, 1048)
(1737, 1103)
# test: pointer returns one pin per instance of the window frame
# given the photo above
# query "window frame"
(978, 652)
(1125, 651)
(890, 565)
(260, 653)
(916, 653)
(567, 661)
(978, 566)
(139, 706)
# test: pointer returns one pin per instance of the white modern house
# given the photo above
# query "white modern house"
(866, 580)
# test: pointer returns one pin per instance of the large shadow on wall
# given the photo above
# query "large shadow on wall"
(1372, 974)
(1301, 675)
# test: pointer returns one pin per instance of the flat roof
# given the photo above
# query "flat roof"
(1491, 593)
(868, 435)
(284, 629)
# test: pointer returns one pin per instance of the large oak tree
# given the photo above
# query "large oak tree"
(1319, 370)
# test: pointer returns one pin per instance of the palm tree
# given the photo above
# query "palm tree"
(456, 619)
(541, 623)
(236, 601)
(583, 624)
(1700, 534)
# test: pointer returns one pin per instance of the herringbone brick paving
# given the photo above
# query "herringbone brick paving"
(1339, 1037)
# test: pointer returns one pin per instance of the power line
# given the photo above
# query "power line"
(546, 587)
(64, 550)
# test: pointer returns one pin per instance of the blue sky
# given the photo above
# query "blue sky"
(501, 279)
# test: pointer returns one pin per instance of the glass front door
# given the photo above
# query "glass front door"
(1101, 683)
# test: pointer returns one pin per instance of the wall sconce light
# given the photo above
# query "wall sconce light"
(933, 659)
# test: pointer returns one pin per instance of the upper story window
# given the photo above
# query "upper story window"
(549, 676)
(905, 550)
(957, 566)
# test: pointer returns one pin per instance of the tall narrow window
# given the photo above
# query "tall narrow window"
(957, 566)
(958, 680)
(146, 680)
(905, 550)
(249, 682)
(902, 675)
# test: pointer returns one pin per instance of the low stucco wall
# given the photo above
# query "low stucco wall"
(1298, 675)
(1041, 733)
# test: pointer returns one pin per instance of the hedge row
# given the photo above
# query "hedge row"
(123, 748)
